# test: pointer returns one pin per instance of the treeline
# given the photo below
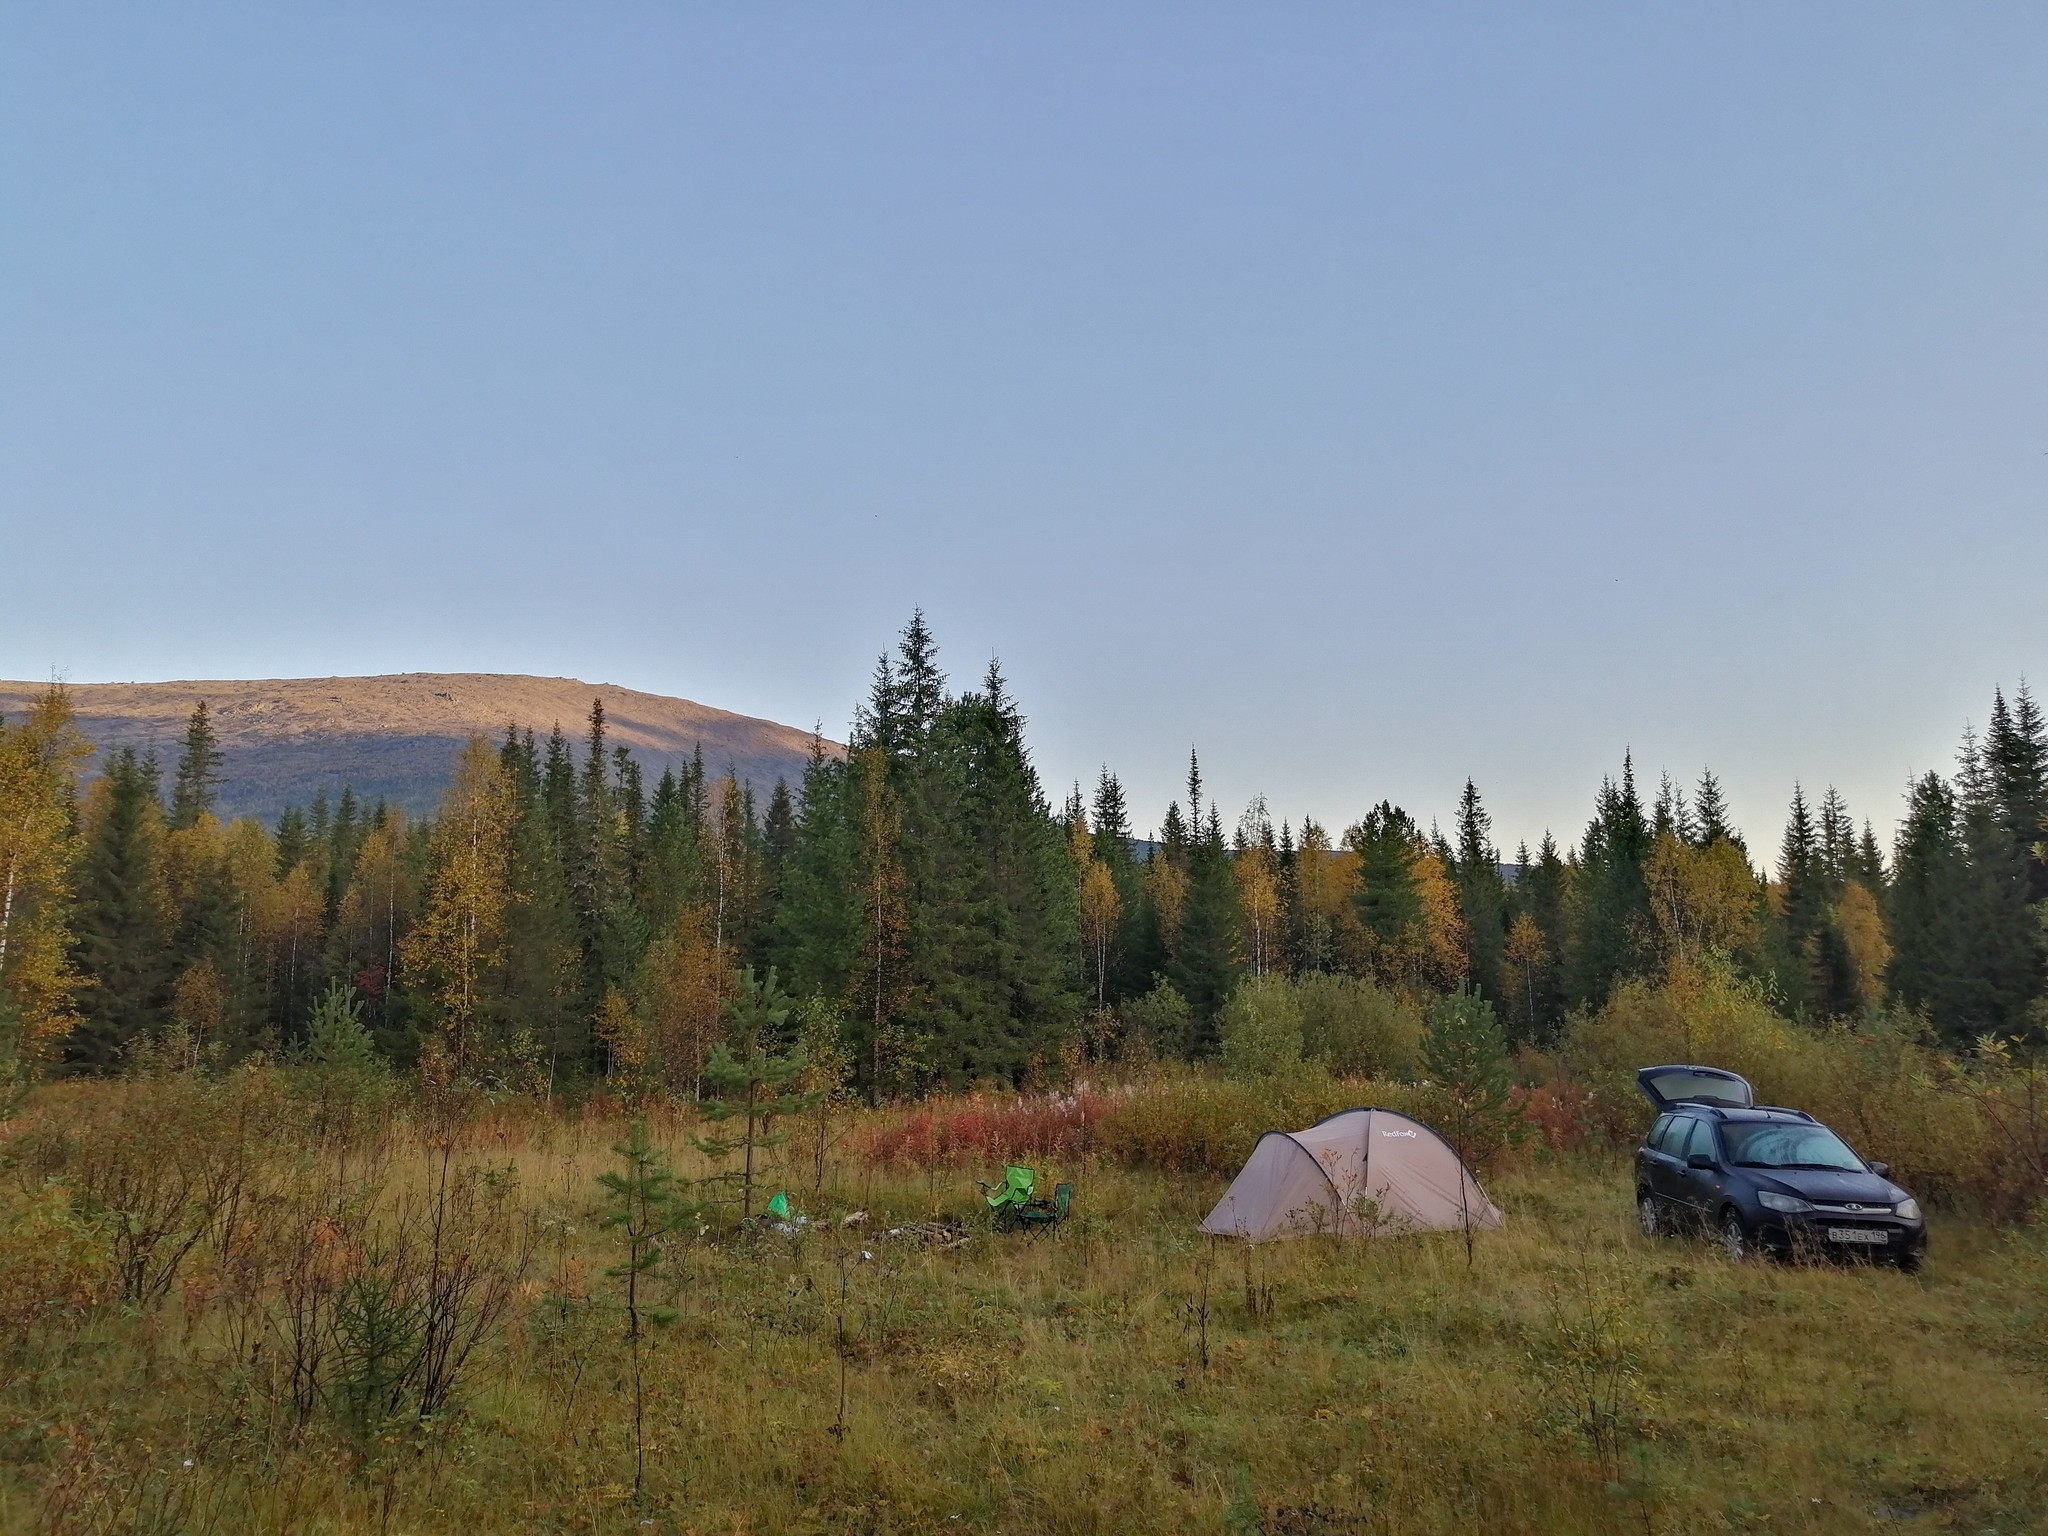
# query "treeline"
(936, 917)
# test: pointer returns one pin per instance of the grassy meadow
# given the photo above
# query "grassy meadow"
(332, 1317)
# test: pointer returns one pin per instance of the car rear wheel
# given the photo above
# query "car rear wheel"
(1649, 1215)
(1734, 1236)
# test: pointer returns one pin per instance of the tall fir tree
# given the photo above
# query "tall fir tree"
(1388, 899)
(540, 982)
(1802, 904)
(1710, 819)
(196, 788)
(1130, 974)
(120, 915)
(2002, 962)
(1207, 952)
(1611, 933)
(1482, 895)
(2016, 762)
(997, 965)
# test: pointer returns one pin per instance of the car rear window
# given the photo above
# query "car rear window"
(1701, 1087)
(1659, 1132)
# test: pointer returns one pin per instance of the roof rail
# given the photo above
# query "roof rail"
(1780, 1109)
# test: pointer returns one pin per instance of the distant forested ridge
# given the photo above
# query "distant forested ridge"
(560, 920)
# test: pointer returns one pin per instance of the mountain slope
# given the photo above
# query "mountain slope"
(396, 738)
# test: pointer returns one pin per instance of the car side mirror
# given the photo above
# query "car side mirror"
(1880, 1169)
(1701, 1161)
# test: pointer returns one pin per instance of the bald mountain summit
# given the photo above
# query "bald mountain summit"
(397, 738)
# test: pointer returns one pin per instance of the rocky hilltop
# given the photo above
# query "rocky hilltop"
(396, 738)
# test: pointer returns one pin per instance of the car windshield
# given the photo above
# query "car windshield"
(1771, 1145)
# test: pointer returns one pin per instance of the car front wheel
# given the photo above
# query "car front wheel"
(1648, 1214)
(1734, 1236)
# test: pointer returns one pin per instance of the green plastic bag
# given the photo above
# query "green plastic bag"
(778, 1207)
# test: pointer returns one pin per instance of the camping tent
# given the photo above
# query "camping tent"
(1357, 1173)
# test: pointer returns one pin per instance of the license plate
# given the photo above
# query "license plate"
(1856, 1235)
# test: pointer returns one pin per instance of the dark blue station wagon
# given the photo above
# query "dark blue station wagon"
(1764, 1178)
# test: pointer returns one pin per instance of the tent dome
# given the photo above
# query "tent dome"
(1359, 1173)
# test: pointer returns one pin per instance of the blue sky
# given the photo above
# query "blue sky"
(1368, 395)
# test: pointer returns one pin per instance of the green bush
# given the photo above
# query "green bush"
(1358, 1029)
(1159, 1023)
(1261, 1030)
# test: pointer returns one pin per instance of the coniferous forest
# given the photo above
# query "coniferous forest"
(936, 915)
(601, 1155)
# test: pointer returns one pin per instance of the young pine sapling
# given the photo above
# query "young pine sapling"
(749, 1083)
(645, 1204)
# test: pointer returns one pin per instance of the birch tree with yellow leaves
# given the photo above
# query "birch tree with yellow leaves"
(459, 940)
(1701, 899)
(1101, 906)
(39, 758)
(684, 986)
(1257, 870)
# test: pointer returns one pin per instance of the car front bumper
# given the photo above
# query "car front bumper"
(1824, 1234)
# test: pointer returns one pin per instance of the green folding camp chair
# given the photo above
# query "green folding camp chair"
(1014, 1196)
(1043, 1215)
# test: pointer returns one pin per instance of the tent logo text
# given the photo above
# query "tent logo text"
(1409, 1134)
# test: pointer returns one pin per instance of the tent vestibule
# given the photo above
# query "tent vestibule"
(1358, 1173)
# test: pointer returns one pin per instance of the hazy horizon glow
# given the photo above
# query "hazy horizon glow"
(1366, 397)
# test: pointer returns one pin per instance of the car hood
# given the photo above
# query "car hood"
(1831, 1188)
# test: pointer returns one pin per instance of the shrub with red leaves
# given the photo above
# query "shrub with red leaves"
(1560, 1110)
(981, 1129)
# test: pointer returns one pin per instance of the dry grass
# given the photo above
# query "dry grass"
(1121, 1375)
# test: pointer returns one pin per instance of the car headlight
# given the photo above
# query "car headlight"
(1790, 1205)
(1909, 1209)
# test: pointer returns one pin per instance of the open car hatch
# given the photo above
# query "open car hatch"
(1666, 1086)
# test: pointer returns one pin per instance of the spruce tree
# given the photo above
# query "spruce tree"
(344, 841)
(645, 1204)
(778, 841)
(1868, 867)
(1710, 815)
(2016, 761)
(1109, 815)
(753, 1078)
(816, 928)
(1611, 938)
(293, 843)
(674, 876)
(1837, 829)
(1803, 904)
(196, 788)
(1544, 894)
(1208, 954)
(1482, 896)
(538, 994)
(2003, 957)
(209, 932)
(1465, 1057)
(1388, 900)
(996, 957)
(1930, 878)
(119, 925)
(1672, 816)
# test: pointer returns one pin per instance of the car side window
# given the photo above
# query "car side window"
(1702, 1141)
(1660, 1133)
